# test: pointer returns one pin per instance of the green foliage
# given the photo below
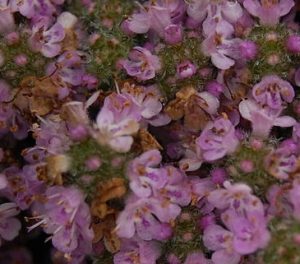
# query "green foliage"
(177, 244)
(79, 153)
(282, 248)
(13, 73)
(171, 56)
(260, 67)
(112, 43)
(259, 180)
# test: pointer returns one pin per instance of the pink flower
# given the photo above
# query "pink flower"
(137, 250)
(220, 45)
(217, 140)
(9, 225)
(250, 233)
(273, 91)
(228, 10)
(117, 122)
(141, 64)
(294, 198)
(220, 240)
(47, 39)
(269, 11)
(148, 217)
(144, 176)
(263, 118)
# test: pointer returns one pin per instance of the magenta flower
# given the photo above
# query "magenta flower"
(220, 45)
(117, 122)
(273, 91)
(297, 77)
(220, 240)
(269, 11)
(141, 64)
(47, 39)
(217, 140)
(144, 176)
(137, 251)
(9, 225)
(263, 118)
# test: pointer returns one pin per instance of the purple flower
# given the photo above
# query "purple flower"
(47, 40)
(219, 240)
(66, 217)
(201, 9)
(141, 64)
(186, 69)
(235, 196)
(220, 45)
(268, 11)
(136, 250)
(9, 225)
(156, 16)
(144, 176)
(280, 163)
(147, 217)
(117, 122)
(250, 233)
(217, 140)
(68, 68)
(263, 118)
(272, 91)
(147, 98)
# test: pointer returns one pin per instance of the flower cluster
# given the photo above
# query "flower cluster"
(143, 132)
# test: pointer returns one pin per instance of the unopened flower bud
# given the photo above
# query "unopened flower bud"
(186, 69)
(93, 163)
(173, 34)
(293, 44)
(21, 60)
(248, 50)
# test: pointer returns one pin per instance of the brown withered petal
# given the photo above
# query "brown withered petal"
(70, 41)
(114, 188)
(147, 141)
(175, 109)
(100, 209)
(186, 92)
(195, 118)
(56, 165)
(112, 242)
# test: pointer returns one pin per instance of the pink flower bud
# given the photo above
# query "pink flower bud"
(247, 166)
(248, 50)
(293, 44)
(21, 60)
(173, 34)
(215, 88)
(186, 69)
(218, 175)
(93, 163)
